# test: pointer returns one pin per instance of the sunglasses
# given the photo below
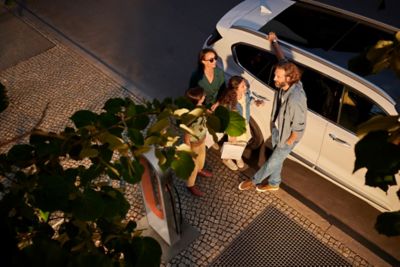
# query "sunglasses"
(211, 59)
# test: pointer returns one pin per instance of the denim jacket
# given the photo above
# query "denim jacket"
(292, 113)
(248, 102)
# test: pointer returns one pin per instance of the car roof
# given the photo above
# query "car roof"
(330, 33)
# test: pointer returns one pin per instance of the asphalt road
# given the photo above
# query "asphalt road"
(153, 44)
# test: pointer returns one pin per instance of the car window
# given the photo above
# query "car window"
(336, 37)
(337, 102)
(256, 61)
(325, 29)
(356, 109)
(323, 93)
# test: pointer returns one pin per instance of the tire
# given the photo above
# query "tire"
(256, 136)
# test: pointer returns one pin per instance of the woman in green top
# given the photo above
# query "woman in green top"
(209, 77)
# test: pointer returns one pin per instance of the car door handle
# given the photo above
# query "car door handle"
(260, 96)
(336, 139)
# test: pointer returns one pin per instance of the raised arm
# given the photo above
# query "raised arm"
(274, 42)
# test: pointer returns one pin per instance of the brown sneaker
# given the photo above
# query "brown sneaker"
(195, 191)
(267, 187)
(246, 185)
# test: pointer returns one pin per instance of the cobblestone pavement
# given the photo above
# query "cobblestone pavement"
(67, 82)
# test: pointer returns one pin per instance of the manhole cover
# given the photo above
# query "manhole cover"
(273, 239)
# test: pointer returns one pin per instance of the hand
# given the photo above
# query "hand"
(259, 102)
(232, 139)
(272, 37)
(214, 106)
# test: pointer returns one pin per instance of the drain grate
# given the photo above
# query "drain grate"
(273, 239)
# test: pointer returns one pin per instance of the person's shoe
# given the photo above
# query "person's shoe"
(267, 187)
(205, 173)
(240, 163)
(215, 146)
(246, 185)
(230, 164)
(195, 191)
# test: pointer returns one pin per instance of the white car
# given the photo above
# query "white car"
(320, 39)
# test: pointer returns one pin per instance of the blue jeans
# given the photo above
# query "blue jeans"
(273, 166)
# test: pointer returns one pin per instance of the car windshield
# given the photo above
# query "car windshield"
(333, 36)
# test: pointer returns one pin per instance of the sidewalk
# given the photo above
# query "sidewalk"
(66, 81)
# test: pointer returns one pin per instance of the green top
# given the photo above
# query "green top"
(210, 89)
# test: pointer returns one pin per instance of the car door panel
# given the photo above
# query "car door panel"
(337, 160)
(308, 148)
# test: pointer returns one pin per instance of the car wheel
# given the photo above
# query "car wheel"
(256, 136)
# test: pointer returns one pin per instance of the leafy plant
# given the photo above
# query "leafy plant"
(385, 54)
(381, 136)
(56, 208)
(4, 102)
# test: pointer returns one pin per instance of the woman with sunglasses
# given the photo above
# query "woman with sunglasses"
(209, 77)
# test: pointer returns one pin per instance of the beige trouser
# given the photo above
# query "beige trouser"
(200, 150)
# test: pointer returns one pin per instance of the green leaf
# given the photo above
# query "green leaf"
(388, 223)
(360, 65)
(184, 102)
(223, 115)
(145, 251)
(45, 252)
(44, 215)
(237, 124)
(139, 122)
(152, 140)
(131, 109)
(89, 206)
(183, 164)
(4, 101)
(136, 137)
(114, 105)
(46, 144)
(88, 175)
(397, 36)
(188, 119)
(108, 120)
(159, 126)
(379, 51)
(380, 169)
(131, 226)
(89, 152)
(21, 155)
(382, 64)
(379, 180)
(83, 118)
(138, 172)
(377, 123)
(395, 60)
(113, 141)
(115, 204)
(214, 123)
(93, 258)
(53, 192)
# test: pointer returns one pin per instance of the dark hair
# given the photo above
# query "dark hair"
(202, 53)
(229, 95)
(291, 71)
(194, 94)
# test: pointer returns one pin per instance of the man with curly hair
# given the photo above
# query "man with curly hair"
(288, 119)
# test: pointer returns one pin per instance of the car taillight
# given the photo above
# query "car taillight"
(215, 36)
